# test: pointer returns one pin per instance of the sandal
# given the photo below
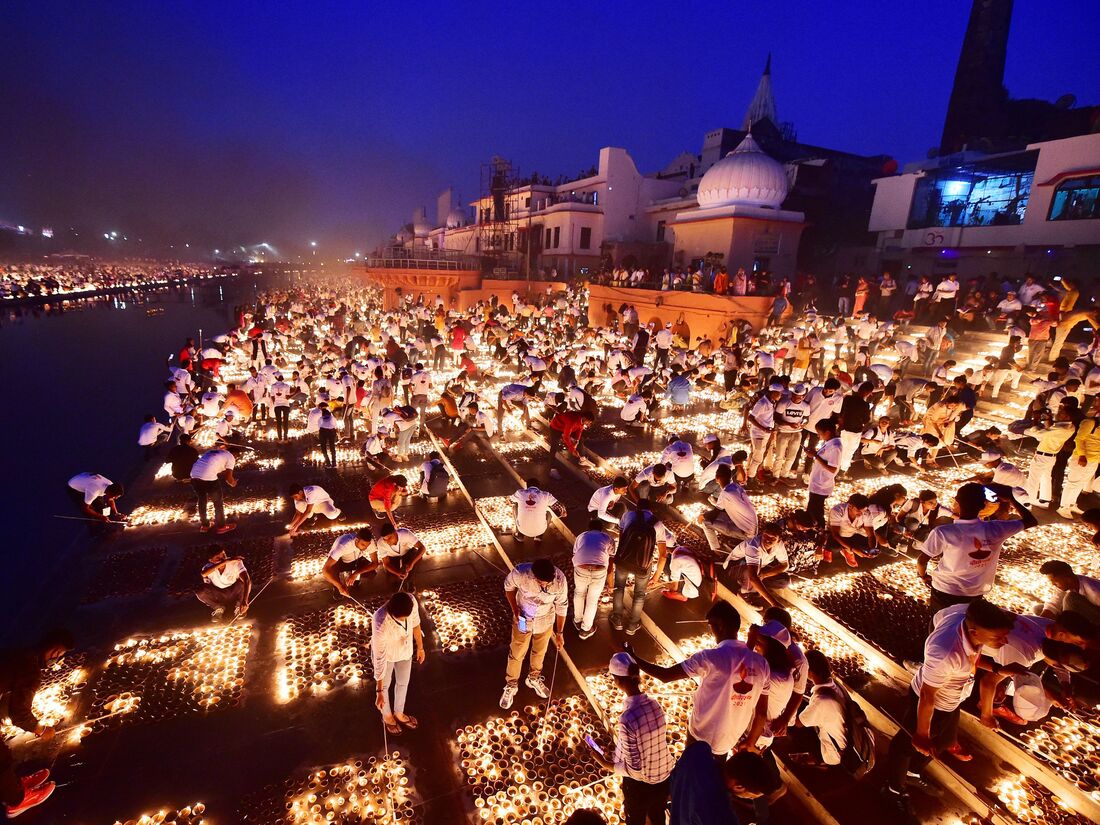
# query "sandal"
(392, 728)
(409, 722)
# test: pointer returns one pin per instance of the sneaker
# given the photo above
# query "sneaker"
(849, 557)
(1066, 513)
(225, 528)
(1009, 715)
(899, 802)
(216, 615)
(35, 779)
(586, 634)
(630, 631)
(915, 780)
(616, 623)
(508, 696)
(518, 537)
(538, 684)
(538, 539)
(35, 796)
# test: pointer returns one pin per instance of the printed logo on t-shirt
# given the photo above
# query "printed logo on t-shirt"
(979, 553)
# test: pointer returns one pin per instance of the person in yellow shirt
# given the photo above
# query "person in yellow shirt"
(1051, 436)
(1082, 466)
(1070, 294)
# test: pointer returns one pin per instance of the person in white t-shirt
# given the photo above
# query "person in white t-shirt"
(350, 559)
(759, 560)
(207, 474)
(824, 712)
(851, 531)
(734, 515)
(226, 586)
(592, 553)
(97, 496)
(606, 502)
(825, 463)
(1074, 592)
(952, 658)
(152, 434)
(655, 483)
(309, 501)
(534, 510)
(686, 573)
(967, 551)
(731, 700)
(398, 551)
(680, 459)
(761, 426)
(395, 632)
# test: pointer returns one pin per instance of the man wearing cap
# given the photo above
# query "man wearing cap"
(791, 413)
(761, 422)
(642, 755)
(967, 550)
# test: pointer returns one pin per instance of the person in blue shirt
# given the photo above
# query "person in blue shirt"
(679, 389)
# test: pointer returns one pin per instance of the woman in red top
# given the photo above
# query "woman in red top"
(383, 495)
(458, 340)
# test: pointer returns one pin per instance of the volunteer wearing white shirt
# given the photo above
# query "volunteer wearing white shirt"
(851, 530)
(825, 402)
(731, 701)
(757, 559)
(606, 502)
(967, 550)
(685, 573)
(734, 516)
(1072, 591)
(310, 501)
(654, 482)
(533, 510)
(280, 393)
(395, 631)
(761, 424)
(207, 474)
(349, 559)
(397, 551)
(824, 712)
(226, 586)
(790, 416)
(678, 456)
(592, 551)
(538, 594)
(824, 465)
(633, 410)
(149, 436)
(952, 656)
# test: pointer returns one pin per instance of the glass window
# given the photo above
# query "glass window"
(660, 231)
(990, 193)
(549, 237)
(557, 236)
(586, 237)
(1076, 199)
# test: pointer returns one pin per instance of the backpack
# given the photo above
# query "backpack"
(439, 480)
(636, 543)
(858, 757)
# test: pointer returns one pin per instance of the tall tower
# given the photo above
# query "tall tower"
(976, 108)
(763, 102)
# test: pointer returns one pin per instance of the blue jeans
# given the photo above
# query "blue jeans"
(640, 583)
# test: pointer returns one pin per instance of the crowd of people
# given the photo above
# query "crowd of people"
(812, 400)
(82, 277)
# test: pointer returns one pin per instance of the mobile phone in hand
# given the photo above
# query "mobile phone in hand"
(592, 744)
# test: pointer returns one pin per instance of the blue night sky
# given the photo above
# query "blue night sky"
(240, 122)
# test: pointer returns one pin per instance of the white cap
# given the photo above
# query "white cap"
(622, 664)
(383, 430)
(990, 455)
(777, 632)
(798, 389)
(775, 386)
(710, 438)
(1030, 700)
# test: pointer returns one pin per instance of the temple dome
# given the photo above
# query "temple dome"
(746, 176)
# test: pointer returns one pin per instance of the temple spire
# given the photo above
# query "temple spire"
(763, 103)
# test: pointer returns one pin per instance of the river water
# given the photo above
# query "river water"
(74, 387)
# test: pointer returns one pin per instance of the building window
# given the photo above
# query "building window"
(549, 237)
(527, 203)
(586, 237)
(1076, 199)
(660, 231)
(987, 193)
(557, 236)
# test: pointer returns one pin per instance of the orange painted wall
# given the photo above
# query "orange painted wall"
(704, 313)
